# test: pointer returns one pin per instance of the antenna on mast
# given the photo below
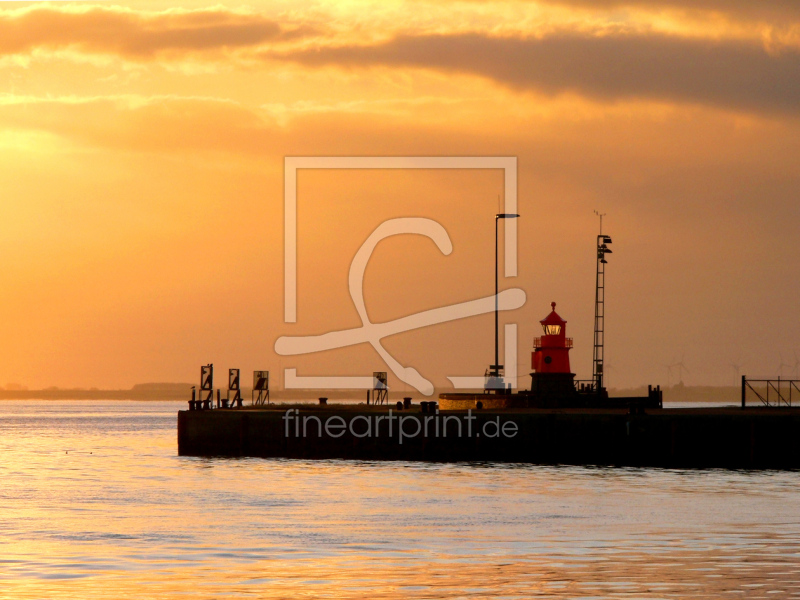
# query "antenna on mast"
(601, 215)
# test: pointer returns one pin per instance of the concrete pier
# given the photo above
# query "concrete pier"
(681, 438)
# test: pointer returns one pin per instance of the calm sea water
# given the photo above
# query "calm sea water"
(95, 503)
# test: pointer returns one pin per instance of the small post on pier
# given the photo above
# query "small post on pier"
(744, 380)
(233, 386)
(260, 393)
(380, 387)
(207, 385)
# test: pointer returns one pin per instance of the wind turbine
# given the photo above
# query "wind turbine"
(681, 369)
(780, 366)
(608, 368)
(736, 366)
(669, 373)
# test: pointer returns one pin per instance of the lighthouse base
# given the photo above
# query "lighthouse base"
(553, 389)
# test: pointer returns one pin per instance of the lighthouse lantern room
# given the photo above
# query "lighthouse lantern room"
(551, 351)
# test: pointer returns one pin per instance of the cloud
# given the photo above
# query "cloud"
(760, 9)
(137, 35)
(161, 124)
(733, 73)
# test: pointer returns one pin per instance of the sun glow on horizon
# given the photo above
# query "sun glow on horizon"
(142, 176)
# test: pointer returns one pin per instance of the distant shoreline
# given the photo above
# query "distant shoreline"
(89, 395)
(181, 391)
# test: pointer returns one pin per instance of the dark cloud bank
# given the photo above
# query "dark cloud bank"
(734, 74)
(747, 9)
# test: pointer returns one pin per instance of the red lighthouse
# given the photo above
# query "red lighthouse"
(551, 351)
(552, 381)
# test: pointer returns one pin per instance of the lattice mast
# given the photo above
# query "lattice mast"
(599, 306)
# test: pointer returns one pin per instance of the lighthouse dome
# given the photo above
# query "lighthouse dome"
(552, 323)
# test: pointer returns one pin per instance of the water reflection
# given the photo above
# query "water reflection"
(97, 504)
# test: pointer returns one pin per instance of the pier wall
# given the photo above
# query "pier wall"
(692, 438)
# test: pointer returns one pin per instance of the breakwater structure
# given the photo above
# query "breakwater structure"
(559, 420)
(756, 437)
(762, 435)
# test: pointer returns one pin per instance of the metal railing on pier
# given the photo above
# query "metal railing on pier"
(771, 392)
(585, 386)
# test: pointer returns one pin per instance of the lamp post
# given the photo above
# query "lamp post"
(495, 368)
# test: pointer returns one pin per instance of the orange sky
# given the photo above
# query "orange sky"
(141, 170)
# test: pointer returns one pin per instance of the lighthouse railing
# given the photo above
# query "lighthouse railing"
(537, 343)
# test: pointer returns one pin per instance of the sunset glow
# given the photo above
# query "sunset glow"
(141, 162)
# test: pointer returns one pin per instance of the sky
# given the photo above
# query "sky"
(142, 150)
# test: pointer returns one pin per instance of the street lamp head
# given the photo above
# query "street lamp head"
(606, 239)
(506, 216)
